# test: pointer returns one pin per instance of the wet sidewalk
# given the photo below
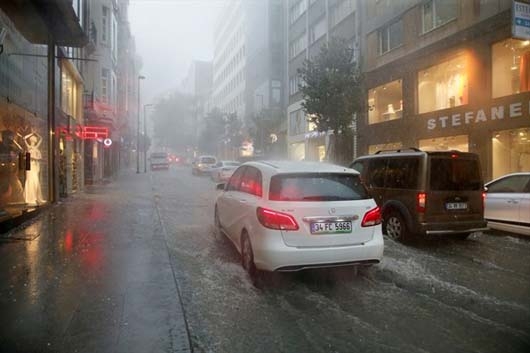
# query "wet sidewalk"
(92, 274)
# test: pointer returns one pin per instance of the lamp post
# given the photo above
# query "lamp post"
(145, 138)
(140, 77)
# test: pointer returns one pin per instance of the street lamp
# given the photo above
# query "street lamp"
(140, 77)
(145, 138)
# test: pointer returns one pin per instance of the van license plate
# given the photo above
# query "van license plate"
(456, 206)
(330, 227)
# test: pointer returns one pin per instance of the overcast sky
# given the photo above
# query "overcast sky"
(169, 35)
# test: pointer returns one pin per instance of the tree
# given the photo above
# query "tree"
(332, 94)
(220, 129)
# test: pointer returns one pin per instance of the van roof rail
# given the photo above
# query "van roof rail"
(409, 149)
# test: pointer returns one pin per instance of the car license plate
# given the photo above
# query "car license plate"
(456, 206)
(330, 227)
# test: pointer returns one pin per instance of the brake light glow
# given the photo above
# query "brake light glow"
(276, 220)
(422, 200)
(483, 200)
(372, 218)
(454, 155)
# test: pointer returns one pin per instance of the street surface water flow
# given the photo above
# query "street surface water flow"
(438, 295)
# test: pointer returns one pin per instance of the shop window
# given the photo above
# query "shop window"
(511, 151)
(384, 147)
(510, 67)
(443, 86)
(459, 143)
(385, 102)
(390, 37)
(436, 13)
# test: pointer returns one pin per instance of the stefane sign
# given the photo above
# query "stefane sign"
(494, 113)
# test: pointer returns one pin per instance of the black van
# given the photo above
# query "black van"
(425, 193)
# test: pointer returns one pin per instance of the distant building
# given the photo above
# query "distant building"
(198, 84)
(248, 68)
(310, 24)
(111, 82)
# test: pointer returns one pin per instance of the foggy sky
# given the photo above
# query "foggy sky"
(170, 34)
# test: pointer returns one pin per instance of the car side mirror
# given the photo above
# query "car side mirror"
(220, 186)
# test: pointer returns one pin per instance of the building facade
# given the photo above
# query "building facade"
(40, 100)
(310, 24)
(446, 75)
(111, 88)
(248, 70)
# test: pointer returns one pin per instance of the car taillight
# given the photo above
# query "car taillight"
(483, 200)
(372, 218)
(276, 220)
(422, 199)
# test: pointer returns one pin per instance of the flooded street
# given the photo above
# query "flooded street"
(436, 295)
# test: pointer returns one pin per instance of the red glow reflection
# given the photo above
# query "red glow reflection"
(68, 241)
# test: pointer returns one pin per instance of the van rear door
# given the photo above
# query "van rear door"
(455, 188)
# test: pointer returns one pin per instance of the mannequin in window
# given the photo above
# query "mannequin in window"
(32, 189)
(10, 186)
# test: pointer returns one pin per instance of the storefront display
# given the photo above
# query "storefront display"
(23, 183)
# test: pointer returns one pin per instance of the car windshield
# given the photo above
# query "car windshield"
(316, 187)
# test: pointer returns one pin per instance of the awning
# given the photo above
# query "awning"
(39, 19)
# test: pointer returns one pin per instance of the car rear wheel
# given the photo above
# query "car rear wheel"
(395, 226)
(217, 224)
(247, 256)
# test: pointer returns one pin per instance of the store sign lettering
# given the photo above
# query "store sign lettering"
(514, 110)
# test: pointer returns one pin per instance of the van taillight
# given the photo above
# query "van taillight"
(372, 218)
(422, 198)
(276, 220)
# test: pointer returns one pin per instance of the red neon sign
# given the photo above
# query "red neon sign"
(95, 132)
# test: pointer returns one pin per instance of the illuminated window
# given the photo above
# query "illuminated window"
(459, 143)
(511, 151)
(510, 67)
(385, 102)
(436, 13)
(443, 86)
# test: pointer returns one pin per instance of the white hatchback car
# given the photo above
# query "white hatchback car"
(507, 204)
(289, 216)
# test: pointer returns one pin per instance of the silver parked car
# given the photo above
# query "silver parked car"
(289, 216)
(223, 170)
(507, 204)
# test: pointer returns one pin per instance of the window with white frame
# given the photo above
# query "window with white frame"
(318, 30)
(294, 84)
(297, 10)
(341, 10)
(436, 13)
(105, 85)
(297, 46)
(114, 38)
(105, 16)
(444, 85)
(390, 37)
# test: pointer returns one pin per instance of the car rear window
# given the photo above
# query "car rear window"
(208, 160)
(159, 155)
(317, 187)
(452, 174)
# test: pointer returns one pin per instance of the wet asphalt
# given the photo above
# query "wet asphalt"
(135, 266)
